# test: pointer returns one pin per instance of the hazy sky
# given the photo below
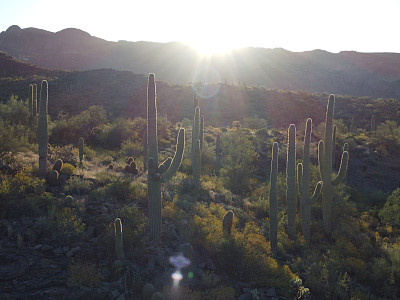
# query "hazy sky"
(296, 25)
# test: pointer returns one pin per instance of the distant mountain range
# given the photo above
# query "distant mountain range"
(347, 73)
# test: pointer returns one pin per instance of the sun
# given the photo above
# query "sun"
(213, 45)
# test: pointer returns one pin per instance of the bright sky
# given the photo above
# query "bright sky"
(216, 25)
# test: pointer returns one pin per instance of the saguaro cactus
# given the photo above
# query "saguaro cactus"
(81, 147)
(303, 175)
(119, 242)
(291, 194)
(42, 129)
(197, 134)
(325, 165)
(227, 222)
(273, 199)
(158, 173)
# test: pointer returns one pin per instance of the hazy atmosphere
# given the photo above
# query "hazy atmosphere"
(363, 26)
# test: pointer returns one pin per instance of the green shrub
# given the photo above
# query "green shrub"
(77, 185)
(390, 213)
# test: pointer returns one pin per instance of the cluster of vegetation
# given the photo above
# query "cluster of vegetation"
(233, 205)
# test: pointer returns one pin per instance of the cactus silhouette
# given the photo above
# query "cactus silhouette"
(197, 135)
(158, 173)
(291, 195)
(325, 148)
(303, 179)
(119, 242)
(227, 224)
(273, 200)
(58, 164)
(43, 136)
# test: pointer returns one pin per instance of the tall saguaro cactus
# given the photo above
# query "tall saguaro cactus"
(43, 136)
(158, 174)
(303, 171)
(325, 164)
(197, 139)
(273, 200)
(291, 194)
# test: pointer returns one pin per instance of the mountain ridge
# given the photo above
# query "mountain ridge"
(347, 72)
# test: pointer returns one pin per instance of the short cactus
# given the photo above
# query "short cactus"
(273, 200)
(373, 125)
(119, 243)
(158, 173)
(227, 224)
(58, 164)
(81, 147)
(52, 178)
(43, 136)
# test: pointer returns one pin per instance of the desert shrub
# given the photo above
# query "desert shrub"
(68, 129)
(255, 122)
(82, 273)
(390, 213)
(133, 223)
(131, 148)
(239, 162)
(121, 190)
(77, 185)
(221, 292)
(67, 153)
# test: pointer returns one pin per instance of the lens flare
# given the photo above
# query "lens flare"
(206, 83)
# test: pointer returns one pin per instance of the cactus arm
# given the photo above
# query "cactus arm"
(317, 192)
(300, 177)
(196, 126)
(177, 160)
(201, 132)
(163, 167)
(321, 158)
(342, 170)
(333, 146)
